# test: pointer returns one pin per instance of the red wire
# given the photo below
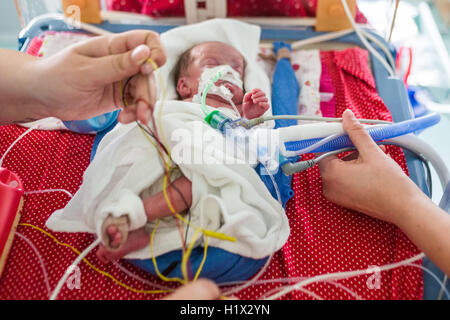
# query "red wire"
(399, 60)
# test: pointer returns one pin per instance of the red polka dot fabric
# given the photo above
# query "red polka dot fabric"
(325, 238)
(235, 8)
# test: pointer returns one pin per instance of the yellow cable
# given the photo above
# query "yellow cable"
(164, 278)
(188, 254)
(210, 233)
(203, 260)
(91, 265)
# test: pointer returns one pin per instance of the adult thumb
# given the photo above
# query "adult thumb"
(359, 136)
(119, 67)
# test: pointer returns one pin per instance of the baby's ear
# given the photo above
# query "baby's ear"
(183, 89)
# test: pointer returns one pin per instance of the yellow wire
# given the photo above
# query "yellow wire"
(188, 254)
(203, 260)
(91, 265)
(154, 259)
(210, 233)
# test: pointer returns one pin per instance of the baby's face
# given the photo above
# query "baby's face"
(209, 55)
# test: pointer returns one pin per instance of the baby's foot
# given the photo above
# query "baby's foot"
(137, 239)
(115, 232)
(255, 104)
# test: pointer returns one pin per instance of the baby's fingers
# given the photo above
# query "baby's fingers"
(248, 97)
(258, 94)
(260, 100)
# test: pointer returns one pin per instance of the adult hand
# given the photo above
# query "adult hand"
(86, 79)
(373, 183)
(202, 289)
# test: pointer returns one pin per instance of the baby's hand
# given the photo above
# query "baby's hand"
(255, 103)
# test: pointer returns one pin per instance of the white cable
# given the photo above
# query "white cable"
(443, 288)
(320, 119)
(17, 140)
(380, 44)
(431, 273)
(322, 38)
(49, 190)
(71, 267)
(136, 277)
(44, 271)
(235, 108)
(343, 275)
(417, 145)
(365, 42)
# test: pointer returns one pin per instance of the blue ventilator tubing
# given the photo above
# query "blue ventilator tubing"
(377, 133)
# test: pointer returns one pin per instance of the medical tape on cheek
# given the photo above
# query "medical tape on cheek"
(228, 74)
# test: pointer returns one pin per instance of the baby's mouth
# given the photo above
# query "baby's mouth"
(230, 86)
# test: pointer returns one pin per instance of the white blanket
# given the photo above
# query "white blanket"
(228, 196)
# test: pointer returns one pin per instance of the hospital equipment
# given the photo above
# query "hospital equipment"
(383, 88)
(11, 192)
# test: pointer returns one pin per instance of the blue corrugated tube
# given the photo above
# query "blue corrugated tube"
(378, 133)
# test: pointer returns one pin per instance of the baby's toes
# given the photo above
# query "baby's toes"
(111, 230)
(102, 254)
(116, 240)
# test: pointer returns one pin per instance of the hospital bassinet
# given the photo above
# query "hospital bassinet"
(392, 91)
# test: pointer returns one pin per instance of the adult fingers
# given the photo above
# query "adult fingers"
(128, 115)
(120, 43)
(122, 55)
(359, 136)
(202, 289)
(118, 67)
(328, 163)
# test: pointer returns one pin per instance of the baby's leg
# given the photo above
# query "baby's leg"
(137, 239)
(115, 232)
(180, 195)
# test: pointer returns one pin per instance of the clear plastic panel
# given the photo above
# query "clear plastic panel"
(30, 9)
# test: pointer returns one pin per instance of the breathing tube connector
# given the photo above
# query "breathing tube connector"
(289, 168)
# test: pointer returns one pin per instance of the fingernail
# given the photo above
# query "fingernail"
(350, 113)
(140, 53)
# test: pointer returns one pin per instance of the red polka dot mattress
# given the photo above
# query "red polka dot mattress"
(325, 238)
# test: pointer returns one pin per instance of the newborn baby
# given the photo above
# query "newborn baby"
(117, 241)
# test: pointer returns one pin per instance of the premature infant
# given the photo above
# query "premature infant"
(116, 238)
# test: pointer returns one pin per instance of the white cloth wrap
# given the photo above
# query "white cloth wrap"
(227, 198)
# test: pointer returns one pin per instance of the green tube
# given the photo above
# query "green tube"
(205, 92)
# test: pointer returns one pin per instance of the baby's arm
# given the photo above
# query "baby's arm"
(254, 104)
(180, 195)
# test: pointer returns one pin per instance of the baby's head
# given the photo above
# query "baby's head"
(193, 62)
